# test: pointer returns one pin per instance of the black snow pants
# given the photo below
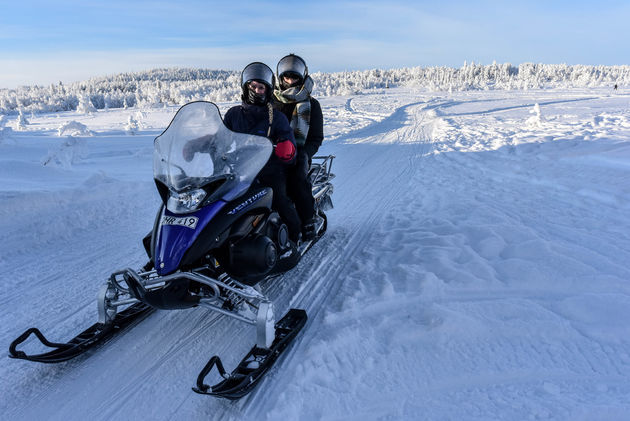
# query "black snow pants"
(299, 186)
(276, 178)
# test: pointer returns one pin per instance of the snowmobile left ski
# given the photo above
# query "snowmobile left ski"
(96, 334)
(214, 243)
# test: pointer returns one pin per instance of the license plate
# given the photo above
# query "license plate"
(185, 221)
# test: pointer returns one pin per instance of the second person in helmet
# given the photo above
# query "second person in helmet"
(255, 115)
(293, 97)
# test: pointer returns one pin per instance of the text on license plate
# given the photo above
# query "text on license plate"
(185, 221)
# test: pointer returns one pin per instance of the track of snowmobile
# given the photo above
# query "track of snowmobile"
(454, 270)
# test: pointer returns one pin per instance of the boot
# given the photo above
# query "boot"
(309, 229)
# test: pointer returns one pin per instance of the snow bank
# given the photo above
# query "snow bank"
(73, 128)
(68, 153)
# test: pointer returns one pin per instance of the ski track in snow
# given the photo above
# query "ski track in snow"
(475, 267)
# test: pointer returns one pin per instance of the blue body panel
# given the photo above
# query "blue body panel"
(174, 240)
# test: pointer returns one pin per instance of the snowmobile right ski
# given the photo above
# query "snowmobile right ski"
(95, 334)
(255, 364)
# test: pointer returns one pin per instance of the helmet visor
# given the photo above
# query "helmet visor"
(257, 71)
(292, 64)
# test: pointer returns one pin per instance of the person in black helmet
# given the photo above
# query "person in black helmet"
(292, 96)
(255, 115)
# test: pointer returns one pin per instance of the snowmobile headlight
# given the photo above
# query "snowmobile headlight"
(185, 202)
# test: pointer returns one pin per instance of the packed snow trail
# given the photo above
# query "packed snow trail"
(482, 256)
(475, 267)
(481, 295)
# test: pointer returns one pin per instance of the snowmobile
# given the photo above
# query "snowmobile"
(215, 240)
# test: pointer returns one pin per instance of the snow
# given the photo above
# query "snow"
(475, 266)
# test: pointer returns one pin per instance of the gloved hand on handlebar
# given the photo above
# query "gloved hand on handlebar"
(193, 146)
(285, 150)
(189, 151)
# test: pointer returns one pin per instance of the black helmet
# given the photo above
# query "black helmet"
(291, 65)
(258, 72)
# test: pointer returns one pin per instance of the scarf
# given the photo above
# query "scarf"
(301, 118)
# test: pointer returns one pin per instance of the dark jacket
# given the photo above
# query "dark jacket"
(254, 119)
(315, 134)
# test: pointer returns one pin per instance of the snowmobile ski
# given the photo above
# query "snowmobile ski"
(255, 364)
(94, 335)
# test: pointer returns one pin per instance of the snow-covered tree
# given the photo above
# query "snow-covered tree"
(85, 105)
(132, 126)
(21, 122)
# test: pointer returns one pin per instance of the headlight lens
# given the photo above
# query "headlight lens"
(185, 202)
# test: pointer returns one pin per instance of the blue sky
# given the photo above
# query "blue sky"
(43, 42)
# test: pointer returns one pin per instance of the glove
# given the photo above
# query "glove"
(285, 150)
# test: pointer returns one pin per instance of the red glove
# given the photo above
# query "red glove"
(285, 150)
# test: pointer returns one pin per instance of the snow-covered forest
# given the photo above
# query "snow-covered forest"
(162, 87)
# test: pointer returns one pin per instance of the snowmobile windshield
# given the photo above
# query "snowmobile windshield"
(197, 151)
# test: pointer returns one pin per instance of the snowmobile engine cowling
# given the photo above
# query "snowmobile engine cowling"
(253, 254)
